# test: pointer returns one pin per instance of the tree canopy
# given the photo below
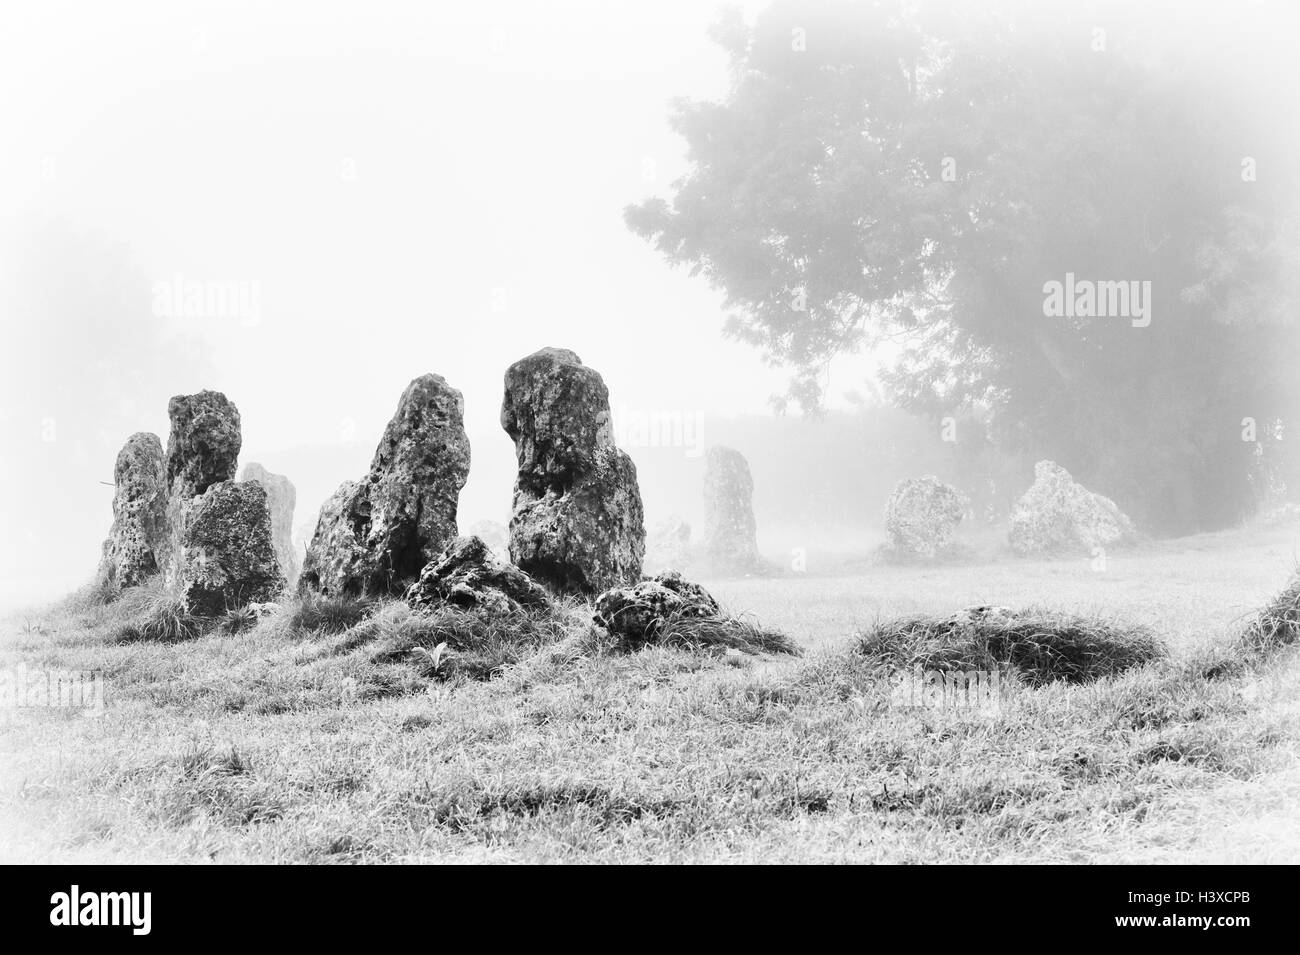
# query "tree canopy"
(909, 177)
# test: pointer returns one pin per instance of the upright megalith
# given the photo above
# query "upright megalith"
(219, 552)
(203, 447)
(281, 497)
(375, 535)
(921, 517)
(179, 515)
(577, 523)
(138, 537)
(1057, 515)
(224, 554)
(730, 534)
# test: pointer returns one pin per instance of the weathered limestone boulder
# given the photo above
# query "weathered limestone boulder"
(577, 523)
(467, 574)
(224, 556)
(138, 536)
(1057, 515)
(281, 497)
(730, 536)
(922, 515)
(637, 614)
(338, 560)
(375, 535)
(202, 450)
(204, 443)
(984, 613)
(668, 545)
(556, 410)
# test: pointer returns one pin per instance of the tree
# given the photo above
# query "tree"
(909, 177)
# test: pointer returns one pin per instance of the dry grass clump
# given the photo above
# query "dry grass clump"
(321, 614)
(692, 632)
(160, 615)
(238, 620)
(1276, 626)
(1043, 646)
(453, 643)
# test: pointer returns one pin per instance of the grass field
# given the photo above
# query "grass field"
(279, 744)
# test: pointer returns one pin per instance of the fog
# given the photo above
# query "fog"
(384, 190)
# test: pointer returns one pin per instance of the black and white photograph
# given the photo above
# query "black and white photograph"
(662, 432)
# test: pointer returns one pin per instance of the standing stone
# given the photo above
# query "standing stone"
(220, 553)
(224, 556)
(922, 515)
(281, 497)
(1058, 515)
(730, 537)
(375, 535)
(139, 532)
(668, 545)
(577, 523)
(203, 447)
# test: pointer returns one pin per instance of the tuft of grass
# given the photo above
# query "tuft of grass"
(1043, 646)
(238, 620)
(1276, 626)
(97, 592)
(454, 643)
(163, 617)
(692, 632)
(321, 614)
(205, 761)
(219, 786)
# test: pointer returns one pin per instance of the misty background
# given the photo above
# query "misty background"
(395, 189)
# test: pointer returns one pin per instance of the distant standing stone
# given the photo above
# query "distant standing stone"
(730, 533)
(1058, 515)
(922, 515)
(668, 545)
(281, 498)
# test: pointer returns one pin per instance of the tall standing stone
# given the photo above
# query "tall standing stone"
(375, 535)
(730, 534)
(577, 523)
(219, 553)
(203, 447)
(281, 498)
(224, 556)
(202, 450)
(138, 536)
